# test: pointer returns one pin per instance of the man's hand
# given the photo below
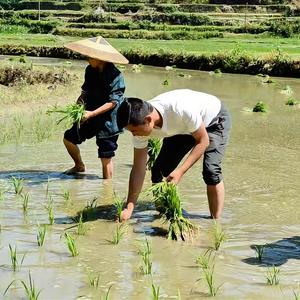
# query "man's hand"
(88, 114)
(174, 176)
(126, 214)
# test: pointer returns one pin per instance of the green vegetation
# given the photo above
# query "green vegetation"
(49, 208)
(81, 227)
(41, 235)
(154, 145)
(218, 235)
(155, 292)
(15, 262)
(272, 275)
(31, 292)
(167, 201)
(259, 250)
(260, 107)
(291, 101)
(94, 279)
(72, 113)
(118, 234)
(25, 198)
(18, 184)
(145, 253)
(71, 244)
(118, 204)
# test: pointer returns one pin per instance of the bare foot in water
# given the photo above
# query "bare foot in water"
(75, 170)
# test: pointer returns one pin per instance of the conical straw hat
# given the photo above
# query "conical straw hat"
(99, 48)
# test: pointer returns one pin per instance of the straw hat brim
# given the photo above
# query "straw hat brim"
(97, 48)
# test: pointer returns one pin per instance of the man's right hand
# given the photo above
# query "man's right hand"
(126, 214)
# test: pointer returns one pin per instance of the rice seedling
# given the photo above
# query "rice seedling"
(291, 101)
(155, 292)
(218, 235)
(2, 193)
(25, 198)
(49, 208)
(15, 262)
(118, 204)
(72, 113)
(259, 251)
(71, 244)
(106, 296)
(94, 279)
(47, 187)
(296, 294)
(145, 253)
(42, 129)
(41, 235)
(154, 146)
(166, 82)
(260, 107)
(89, 210)
(66, 195)
(18, 184)
(288, 91)
(18, 127)
(272, 275)
(210, 280)
(204, 260)
(167, 201)
(31, 291)
(267, 79)
(118, 233)
(81, 227)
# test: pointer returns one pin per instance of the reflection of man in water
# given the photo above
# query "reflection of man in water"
(189, 121)
(102, 93)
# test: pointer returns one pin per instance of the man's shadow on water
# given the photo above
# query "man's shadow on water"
(276, 253)
(36, 177)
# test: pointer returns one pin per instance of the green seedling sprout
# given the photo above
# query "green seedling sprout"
(118, 204)
(204, 260)
(260, 107)
(2, 193)
(71, 244)
(218, 235)
(30, 289)
(16, 264)
(118, 233)
(49, 208)
(272, 275)
(94, 279)
(259, 250)
(106, 297)
(166, 82)
(81, 227)
(41, 235)
(155, 292)
(18, 184)
(288, 91)
(66, 195)
(25, 198)
(297, 293)
(145, 253)
(154, 146)
(291, 102)
(73, 113)
(167, 202)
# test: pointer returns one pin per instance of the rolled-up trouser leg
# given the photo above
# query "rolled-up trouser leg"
(173, 149)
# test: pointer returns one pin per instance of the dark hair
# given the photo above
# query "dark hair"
(133, 111)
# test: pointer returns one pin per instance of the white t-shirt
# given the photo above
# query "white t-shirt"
(183, 111)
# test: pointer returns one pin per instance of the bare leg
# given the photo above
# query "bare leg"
(216, 195)
(107, 167)
(74, 152)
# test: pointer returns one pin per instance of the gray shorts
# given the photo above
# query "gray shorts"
(174, 148)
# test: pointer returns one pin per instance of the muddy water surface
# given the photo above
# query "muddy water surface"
(261, 170)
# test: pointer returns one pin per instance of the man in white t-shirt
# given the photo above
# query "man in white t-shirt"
(190, 122)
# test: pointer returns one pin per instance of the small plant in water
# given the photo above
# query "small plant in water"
(49, 208)
(118, 233)
(81, 227)
(145, 252)
(25, 198)
(204, 260)
(30, 289)
(260, 107)
(259, 250)
(155, 292)
(71, 244)
(288, 91)
(154, 145)
(41, 235)
(106, 296)
(73, 113)
(2, 193)
(167, 201)
(66, 195)
(118, 204)
(16, 264)
(291, 101)
(18, 184)
(94, 279)
(219, 235)
(272, 275)
(166, 82)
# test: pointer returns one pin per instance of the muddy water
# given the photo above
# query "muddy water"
(261, 169)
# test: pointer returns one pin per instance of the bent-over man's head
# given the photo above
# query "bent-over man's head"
(136, 116)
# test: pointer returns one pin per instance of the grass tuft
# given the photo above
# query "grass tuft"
(145, 253)
(154, 146)
(71, 244)
(272, 275)
(218, 235)
(18, 184)
(118, 233)
(260, 107)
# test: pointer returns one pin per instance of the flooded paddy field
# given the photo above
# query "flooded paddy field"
(261, 171)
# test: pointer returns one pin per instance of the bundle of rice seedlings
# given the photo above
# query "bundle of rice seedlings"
(260, 107)
(73, 113)
(167, 202)
(154, 145)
